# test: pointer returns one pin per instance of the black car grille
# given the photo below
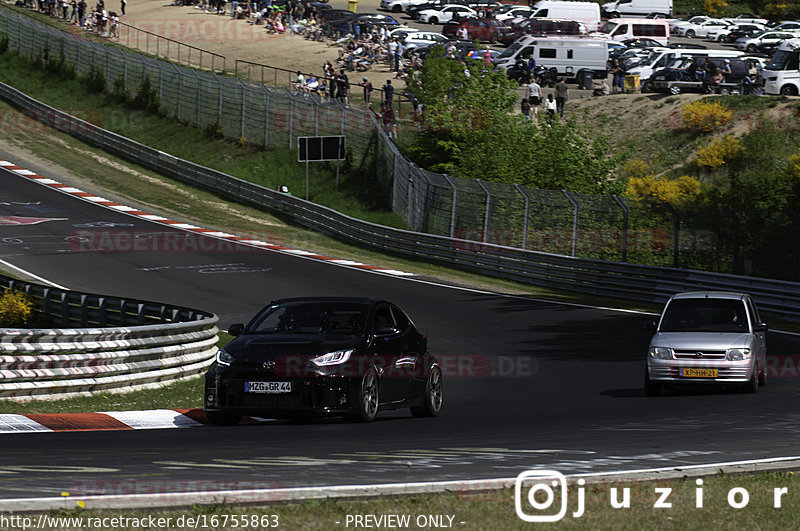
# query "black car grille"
(314, 393)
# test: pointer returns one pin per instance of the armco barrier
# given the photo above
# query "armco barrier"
(117, 344)
(612, 279)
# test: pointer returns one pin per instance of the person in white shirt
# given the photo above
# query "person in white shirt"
(534, 95)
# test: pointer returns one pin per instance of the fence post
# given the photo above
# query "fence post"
(219, 106)
(575, 208)
(486, 211)
(737, 225)
(244, 107)
(180, 91)
(266, 116)
(624, 226)
(199, 94)
(291, 119)
(676, 231)
(524, 194)
(455, 201)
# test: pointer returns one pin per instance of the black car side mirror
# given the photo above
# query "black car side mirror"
(650, 325)
(236, 329)
(386, 331)
(760, 327)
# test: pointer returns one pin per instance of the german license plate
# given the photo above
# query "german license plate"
(268, 387)
(700, 373)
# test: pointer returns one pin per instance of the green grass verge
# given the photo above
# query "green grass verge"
(495, 510)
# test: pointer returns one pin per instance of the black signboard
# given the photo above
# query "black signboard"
(318, 148)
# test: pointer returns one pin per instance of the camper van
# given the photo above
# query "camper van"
(586, 12)
(782, 74)
(574, 58)
(666, 57)
(626, 8)
(622, 29)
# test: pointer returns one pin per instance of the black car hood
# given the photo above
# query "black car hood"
(262, 347)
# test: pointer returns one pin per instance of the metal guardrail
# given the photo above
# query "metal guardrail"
(612, 279)
(117, 344)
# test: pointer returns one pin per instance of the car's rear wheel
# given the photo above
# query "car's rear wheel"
(368, 399)
(432, 402)
(396, 8)
(674, 90)
(651, 388)
(789, 90)
(762, 377)
(751, 48)
(220, 418)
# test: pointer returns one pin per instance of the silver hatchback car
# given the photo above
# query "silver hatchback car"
(707, 337)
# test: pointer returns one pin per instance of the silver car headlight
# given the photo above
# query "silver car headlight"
(333, 358)
(661, 353)
(223, 358)
(737, 354)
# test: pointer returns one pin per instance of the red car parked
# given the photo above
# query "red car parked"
(482, 29)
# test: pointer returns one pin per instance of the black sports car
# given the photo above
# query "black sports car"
(346, 357)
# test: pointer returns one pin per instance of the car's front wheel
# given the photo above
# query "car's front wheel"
(690, 34)
(368, 399)
(752, 385)
(432, 402)
(433, 20)
(651, 388)
(220, 418)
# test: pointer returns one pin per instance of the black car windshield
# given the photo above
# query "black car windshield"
(334, 318)
(705, 315)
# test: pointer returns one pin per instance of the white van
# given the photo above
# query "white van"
(586, 12)
(573, 58)
(665, 57)
(622, 29)
(782, 74)
(625, 8)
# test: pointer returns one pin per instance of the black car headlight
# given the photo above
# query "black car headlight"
(333, 358)
(223, 358)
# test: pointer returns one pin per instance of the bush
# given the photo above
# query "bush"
(662, 189)
(701, 116)
(714, 8)
(717, 152)
(16, 309)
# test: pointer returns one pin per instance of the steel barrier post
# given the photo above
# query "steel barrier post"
(574, 221)
(455, 201)
(624, 241)
(486, 211)
(524, 194)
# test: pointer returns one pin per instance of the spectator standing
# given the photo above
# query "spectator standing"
(81, 12)
(551, 108)
(525, 108)
(388, 93)
(342, 84)
(367, 90)
(122, 4)
(462, 33)
(562, 94)
(391, 47)
(398, 56)
(534, 95)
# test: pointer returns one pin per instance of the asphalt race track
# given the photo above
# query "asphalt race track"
(527, 383)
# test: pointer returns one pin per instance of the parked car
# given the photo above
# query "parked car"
(746, 18)
(482, 29)
(641, 42)
(707, 338)
(398, 6)
(415, 9)
(751, 44)
(299, 357)
(700, 29)
(446, 13)
(417, 39)
(674, 24)
(786, 25)
(513, 13)
(731, 33)
(542, 26)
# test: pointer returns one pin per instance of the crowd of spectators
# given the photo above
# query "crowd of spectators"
(97, 20)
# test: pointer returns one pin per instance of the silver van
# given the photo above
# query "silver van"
(708, 337)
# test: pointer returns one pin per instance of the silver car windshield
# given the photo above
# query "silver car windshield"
(705, 315)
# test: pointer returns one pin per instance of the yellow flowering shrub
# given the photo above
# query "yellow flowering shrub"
(704, 116)
(655, 188)
(717, 152)
(714, 7)
(16, 309)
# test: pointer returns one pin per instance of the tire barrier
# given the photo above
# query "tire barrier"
(116, 344)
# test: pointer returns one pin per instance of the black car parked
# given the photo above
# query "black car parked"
(310, 357)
